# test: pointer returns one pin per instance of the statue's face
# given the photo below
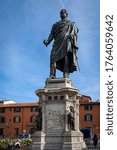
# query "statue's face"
(63, 14)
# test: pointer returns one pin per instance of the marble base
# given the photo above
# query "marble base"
(56, 98)
(70, 140)
(38, 141)
(73, 141)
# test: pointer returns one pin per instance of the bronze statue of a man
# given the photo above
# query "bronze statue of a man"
(63, 55)
(71, 124)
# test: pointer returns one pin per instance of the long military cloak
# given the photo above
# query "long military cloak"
(64, 34)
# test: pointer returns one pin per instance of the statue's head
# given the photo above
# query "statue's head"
(71, 109)
(63, 13)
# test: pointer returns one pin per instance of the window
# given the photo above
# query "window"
(32, 118)
(61, 97)
(2, 119)
(16, 119)
(88, 117)
(55, 97)
(16, 131)
(88, 107)
(1, 132)
(34, 109)
(2, 110)
(49, 97)
(17, 109)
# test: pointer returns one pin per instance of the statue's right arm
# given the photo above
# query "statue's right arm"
(50, 38)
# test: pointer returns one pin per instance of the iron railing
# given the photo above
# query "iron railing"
(92, 147)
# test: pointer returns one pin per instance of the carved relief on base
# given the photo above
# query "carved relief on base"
(55, 118)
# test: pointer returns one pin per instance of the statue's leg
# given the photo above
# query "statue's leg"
(73, 125)
(53, 70)
(66, 68)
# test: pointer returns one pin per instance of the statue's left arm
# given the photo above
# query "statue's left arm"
(76, 30)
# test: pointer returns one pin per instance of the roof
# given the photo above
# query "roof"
(92, 103)
(19, 105)
(87, 96)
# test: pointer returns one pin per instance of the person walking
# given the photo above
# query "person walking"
(95, 140)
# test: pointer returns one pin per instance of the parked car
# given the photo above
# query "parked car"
(25, 136)
(87, 135)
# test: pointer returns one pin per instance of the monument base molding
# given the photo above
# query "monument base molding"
(73, 141)
(58, 100)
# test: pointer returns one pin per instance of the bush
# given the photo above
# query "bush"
(7, 141)
(1, 145)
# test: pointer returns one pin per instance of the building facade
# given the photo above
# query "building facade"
(18, 118)
(89, 116)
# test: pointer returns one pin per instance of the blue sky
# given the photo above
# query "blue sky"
(24, 60)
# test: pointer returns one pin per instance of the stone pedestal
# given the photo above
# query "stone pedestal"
(73, 141)
(38, 140)
(57, 98)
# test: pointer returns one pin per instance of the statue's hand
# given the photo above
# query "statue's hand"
(45, 43)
